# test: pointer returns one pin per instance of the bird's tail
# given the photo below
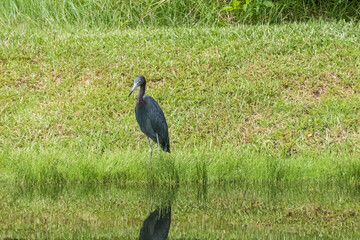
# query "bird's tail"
(166, 146)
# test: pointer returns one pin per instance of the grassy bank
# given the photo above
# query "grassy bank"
(119, 14)
(248, 102)
(58, 165)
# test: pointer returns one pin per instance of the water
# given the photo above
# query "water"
(297, 210)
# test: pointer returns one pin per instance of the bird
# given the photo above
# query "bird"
(157, 225)
(150, 118)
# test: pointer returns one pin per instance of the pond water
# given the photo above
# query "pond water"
(286, 210)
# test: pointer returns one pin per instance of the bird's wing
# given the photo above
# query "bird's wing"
(156, 116)
(157, 225)
(163, 224)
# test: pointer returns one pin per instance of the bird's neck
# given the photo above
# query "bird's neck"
(140, 97)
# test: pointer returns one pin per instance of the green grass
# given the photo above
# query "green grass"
(261, 102)
(109, 13)
(129, 13)
(264, 120)
(199, 166)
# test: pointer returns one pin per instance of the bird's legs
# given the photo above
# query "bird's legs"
(150, 206)
(150, 150)
(158, 143)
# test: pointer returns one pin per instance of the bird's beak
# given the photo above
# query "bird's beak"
(133, 89)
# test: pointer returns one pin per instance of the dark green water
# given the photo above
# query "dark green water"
(297, 210)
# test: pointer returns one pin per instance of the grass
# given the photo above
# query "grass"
(271, 109)
(109, 13)
(261, 102)
(115, 14)
(201, 166)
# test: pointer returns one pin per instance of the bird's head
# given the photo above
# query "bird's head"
(138, 81)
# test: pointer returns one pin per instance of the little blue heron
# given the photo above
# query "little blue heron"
(157, 225)
(150, 117)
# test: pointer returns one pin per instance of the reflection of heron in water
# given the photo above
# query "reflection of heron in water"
(157, 225)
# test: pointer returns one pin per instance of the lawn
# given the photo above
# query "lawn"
(242, 102)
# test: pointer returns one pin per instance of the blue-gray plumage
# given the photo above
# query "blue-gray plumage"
(150, 117)
(157, 225)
